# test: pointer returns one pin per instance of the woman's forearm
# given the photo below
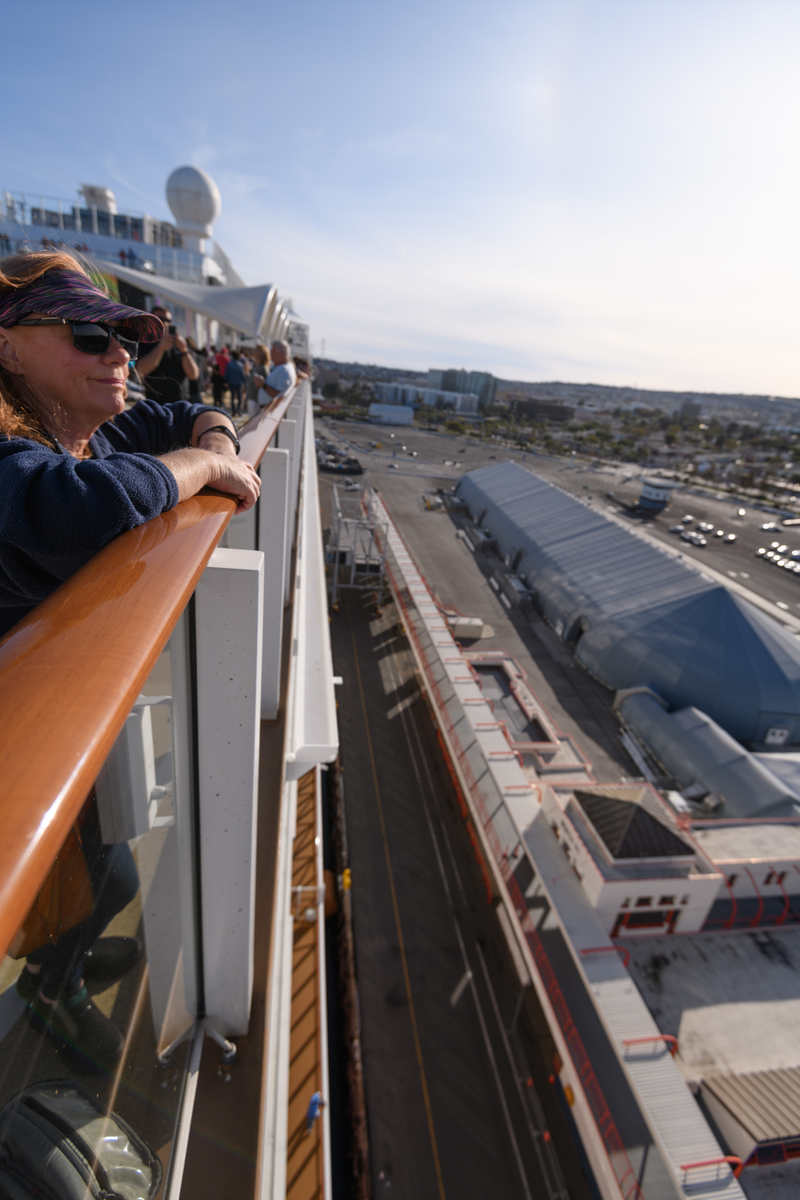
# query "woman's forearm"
(206, 420)
(192, 469)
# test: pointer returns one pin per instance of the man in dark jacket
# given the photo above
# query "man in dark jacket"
(168, 366)
(235, 376)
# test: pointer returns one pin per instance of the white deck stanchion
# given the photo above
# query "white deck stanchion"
(274, 505)
(228, 621)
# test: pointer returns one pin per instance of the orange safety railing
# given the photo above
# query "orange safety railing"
(668, 1038)
(607, 1129)
(760, 911)
(626, 956)
(732, 1159)
(71, 670)
(786, 902)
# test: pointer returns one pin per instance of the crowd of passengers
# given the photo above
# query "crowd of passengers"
(244, 380)
(80, 464)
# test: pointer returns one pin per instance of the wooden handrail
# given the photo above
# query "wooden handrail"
(71, 669)
(257, 433)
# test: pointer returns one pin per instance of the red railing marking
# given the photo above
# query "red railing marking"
(672, 1042)
(757, 918)
(626, 956)
(716, 1162)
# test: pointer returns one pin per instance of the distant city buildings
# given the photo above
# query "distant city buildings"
(690, 410)
(479, 383)
(526, 408)
(412, 396)
(391, 414)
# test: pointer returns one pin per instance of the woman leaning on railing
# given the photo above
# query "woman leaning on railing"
(77, 470)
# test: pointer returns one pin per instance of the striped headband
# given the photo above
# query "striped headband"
(72, 295)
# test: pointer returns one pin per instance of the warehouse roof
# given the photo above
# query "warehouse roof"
(765, 1103)
(637, 615)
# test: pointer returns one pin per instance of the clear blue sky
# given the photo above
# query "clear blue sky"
(603, 190)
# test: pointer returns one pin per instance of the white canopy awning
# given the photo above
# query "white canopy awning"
(254, 311)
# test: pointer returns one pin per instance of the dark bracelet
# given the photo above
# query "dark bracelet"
(221, 429)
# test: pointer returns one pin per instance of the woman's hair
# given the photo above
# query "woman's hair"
(17, 418)
(261, 353)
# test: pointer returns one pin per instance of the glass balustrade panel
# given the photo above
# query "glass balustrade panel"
(112, 936)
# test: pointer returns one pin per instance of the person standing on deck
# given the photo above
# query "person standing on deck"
(167, 367)
(282, 376)
(235, 376)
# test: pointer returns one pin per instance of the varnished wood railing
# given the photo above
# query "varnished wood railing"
(70, 671)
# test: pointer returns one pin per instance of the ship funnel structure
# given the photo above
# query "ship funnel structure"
(195, 201)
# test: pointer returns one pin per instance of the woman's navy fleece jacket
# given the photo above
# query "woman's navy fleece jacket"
(57, 511)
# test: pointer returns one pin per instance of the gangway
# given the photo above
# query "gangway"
(356, 550)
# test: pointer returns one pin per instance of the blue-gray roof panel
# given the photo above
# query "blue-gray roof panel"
(645, 617)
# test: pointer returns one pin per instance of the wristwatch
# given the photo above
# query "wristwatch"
(220, 429)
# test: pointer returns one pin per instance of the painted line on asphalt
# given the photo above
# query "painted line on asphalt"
(411, 1010)
(460, 988)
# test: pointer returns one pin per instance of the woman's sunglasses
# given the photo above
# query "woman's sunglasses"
(92, 337)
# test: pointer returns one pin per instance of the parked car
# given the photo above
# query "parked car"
(769, 525)
(720, 533)
(676, 529)
(731, 537)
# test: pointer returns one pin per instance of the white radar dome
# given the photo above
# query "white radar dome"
(194, 199)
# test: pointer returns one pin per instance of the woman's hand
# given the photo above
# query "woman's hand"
(196, 469)
(237, 478)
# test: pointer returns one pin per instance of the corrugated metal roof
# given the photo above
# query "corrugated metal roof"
(695, 749)
(765, 1103)
(641, 617)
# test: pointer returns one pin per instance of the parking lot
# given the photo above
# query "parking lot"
(441, 458)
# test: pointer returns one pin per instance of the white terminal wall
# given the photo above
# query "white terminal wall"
(608, 896)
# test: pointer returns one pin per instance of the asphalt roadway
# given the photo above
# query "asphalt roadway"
(737, 561)
(456, 1063)
(580, 705)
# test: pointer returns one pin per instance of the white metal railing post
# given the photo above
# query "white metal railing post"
(228, 627)
(272, 534)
